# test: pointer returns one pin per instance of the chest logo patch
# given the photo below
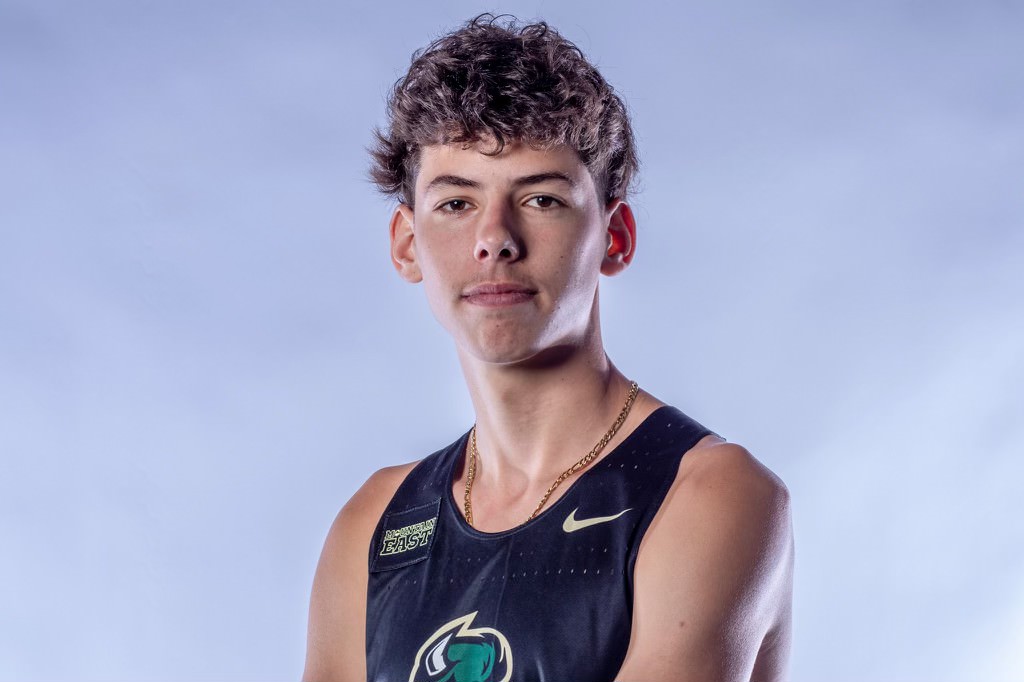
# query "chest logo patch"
(571, 523)
(460, 653)
(406, 537)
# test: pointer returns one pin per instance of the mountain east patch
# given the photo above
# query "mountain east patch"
(405, 537)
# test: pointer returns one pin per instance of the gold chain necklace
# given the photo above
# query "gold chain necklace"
(587, 459)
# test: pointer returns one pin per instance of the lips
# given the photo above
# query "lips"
(498, 294)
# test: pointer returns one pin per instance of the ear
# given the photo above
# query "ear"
(621, 238)
(403, 252)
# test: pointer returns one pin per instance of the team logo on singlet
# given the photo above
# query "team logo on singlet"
(406, 538)
(460, 653)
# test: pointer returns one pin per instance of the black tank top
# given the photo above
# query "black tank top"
(548, 601)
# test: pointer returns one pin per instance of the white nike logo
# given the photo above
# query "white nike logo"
(571, 523)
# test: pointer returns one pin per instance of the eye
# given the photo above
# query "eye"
(544, 201)
(453, 206)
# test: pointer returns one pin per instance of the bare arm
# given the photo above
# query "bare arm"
(713, 579)
(336, 639)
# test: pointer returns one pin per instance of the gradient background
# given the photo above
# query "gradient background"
(204, 350)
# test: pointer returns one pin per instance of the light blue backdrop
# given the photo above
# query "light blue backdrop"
(204, 351)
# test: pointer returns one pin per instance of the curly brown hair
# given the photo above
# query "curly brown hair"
(502, 81)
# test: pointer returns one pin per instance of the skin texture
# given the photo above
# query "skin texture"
(713, 578)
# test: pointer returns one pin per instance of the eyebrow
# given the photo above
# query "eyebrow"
(451, 181)
(535, 179)
(538, 178)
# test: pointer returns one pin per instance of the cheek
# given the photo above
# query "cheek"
(438, 259)
(440, 299)
(580, 262)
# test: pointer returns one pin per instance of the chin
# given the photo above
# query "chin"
(513, 342)
(502, 355)
(522, 354)
(500, 346)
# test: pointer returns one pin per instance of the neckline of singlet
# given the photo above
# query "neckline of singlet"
(460, 448)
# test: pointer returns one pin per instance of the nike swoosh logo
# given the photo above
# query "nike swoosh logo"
(571, 523)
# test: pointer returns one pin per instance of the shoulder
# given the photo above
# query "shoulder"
(348, 540)
(729, 504)
(337, 609)
(377, 491)
(358, 517)
(713, 577)
(722, 480)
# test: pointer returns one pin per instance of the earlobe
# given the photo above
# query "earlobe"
(621, 238)
(403, 251)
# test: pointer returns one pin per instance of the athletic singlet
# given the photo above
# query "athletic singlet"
(550, 600)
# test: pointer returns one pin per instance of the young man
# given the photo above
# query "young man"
(523, 551)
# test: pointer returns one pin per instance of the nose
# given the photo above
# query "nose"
(496, 237)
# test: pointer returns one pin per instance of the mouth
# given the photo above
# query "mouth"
(498, 294)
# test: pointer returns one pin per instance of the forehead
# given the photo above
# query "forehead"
(499, 171)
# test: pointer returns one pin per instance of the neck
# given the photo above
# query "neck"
(536, 419)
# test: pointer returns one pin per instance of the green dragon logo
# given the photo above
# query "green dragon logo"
(460, 653)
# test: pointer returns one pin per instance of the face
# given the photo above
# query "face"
(510, 247)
